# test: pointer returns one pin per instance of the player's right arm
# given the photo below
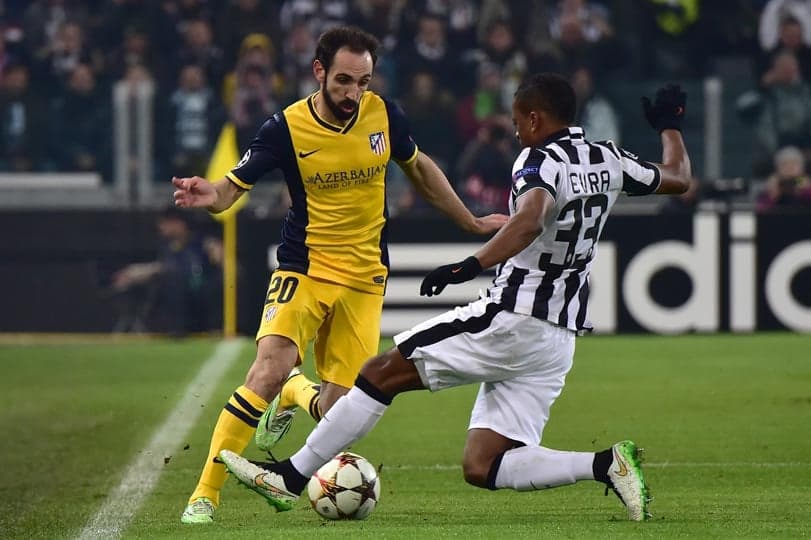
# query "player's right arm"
(523, 227)
(197, 192)
(535, 181)
(270, 147)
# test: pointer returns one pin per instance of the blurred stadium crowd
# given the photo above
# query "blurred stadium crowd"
(452, 64)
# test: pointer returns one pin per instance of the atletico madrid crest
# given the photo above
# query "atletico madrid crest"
(377, 141)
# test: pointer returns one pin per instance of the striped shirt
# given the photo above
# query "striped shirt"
(549, 279)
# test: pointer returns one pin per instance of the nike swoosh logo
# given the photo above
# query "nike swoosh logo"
(305, 154)
(455, 270)
(623, 471)
(259, 481)
(545, 486)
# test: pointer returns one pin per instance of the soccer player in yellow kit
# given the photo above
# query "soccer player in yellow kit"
(333, 148)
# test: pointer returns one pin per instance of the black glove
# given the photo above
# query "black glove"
(438, 278)
(667, 111)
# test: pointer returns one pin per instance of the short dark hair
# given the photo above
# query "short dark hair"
(549, 92)
(352, 37)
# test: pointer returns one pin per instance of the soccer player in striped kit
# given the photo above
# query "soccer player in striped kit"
(517, 341)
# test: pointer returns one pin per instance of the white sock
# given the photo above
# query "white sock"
(536, 467)
(352, 417)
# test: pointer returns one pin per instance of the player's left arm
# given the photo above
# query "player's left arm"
(428, 178)
(666, 115)
(433, 185)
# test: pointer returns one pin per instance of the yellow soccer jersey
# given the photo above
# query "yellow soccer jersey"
(336, 227)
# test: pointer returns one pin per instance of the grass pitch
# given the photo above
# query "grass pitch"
(725, 422)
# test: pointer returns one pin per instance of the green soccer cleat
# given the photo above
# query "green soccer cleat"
(627, 480)
(199, 511)
(259, 478)
(274, 424)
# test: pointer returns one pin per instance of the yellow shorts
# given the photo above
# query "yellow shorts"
(344, 322)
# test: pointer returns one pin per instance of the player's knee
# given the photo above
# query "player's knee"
(476, 472)
(263, 379)
(274, 360)
(372, 379)
(391, 374)
(374, 370)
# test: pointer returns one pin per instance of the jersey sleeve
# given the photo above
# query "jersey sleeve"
(267, 151)
(638, 177)
(534, 169)
(403, 147)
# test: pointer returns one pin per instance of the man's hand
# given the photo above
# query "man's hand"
(489, 224)
(437, 279)
(667, 110)
(194, 192)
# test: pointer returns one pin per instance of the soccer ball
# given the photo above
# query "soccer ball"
(345, 488)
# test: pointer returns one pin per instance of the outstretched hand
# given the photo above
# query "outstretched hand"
(489, 224)
(667, 110)
(194, 192)
(437, 279)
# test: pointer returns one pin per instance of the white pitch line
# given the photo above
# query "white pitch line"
(142, 474)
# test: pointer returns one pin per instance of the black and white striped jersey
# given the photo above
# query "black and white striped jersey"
(549, 279)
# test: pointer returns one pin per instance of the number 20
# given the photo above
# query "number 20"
(286, 288)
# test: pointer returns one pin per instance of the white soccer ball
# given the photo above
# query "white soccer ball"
(345, 488)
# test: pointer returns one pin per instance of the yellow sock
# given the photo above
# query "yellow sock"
(301, 391)
(234, 429)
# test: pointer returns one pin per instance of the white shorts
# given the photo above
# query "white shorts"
(521, 362)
